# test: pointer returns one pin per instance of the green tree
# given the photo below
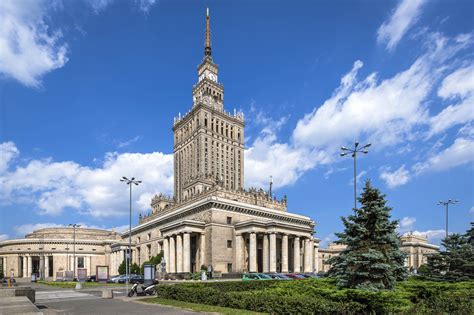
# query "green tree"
(135, 269)
(456, 261)
(122, 269)
(372, 259)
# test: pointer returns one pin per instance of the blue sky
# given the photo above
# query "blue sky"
(89, 89)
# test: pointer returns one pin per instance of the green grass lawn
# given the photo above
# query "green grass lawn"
(199, 307)
(70, 285)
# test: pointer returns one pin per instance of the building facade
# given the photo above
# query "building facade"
(212, 219)
(51, 250)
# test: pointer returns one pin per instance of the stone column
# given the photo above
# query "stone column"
(186, 252)
(273, 252)
(266, 258)
(25, 267)
(158, 248)
(166, 250)
(296, 255)
(284, 254)
(238, 253)
(306, 255)
(30, 267)
(202, 250)
(179, 253)
(46, 266)
(315, 259)
(253, 252)
(172, 255)
(5, 267)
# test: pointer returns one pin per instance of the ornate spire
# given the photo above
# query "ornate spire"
(207, 45)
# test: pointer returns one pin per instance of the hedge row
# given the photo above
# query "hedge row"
(322, 297)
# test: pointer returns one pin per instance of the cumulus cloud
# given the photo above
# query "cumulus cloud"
(406, 224)
(397, 178)
(8, 152)
(459, 86)
(55, 186)
(432, 235)
(404, 16)
(29, 48)
(3, 237)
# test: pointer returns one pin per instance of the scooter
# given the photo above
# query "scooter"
(146, 289)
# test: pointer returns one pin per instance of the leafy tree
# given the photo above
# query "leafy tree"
(135, 269)
(456, 261)
(154, 260)
(373, 259)
(122, 269)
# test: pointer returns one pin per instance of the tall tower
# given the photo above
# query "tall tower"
(208, 141)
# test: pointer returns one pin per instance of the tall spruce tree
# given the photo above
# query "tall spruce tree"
(373, 259)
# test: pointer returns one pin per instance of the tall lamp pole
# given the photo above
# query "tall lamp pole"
(446, 204)
(130, 183)
(353, 153)
(74, 226)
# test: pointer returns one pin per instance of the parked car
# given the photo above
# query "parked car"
(137, 278)
(124, 279)
(92, 278)
(115, 279)
(255, 276)
(279, 276)
(304, 275)
(295, 276)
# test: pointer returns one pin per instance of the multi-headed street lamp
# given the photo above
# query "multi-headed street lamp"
(74, 226)
(446, 204)
(353, 153)
(130, 183)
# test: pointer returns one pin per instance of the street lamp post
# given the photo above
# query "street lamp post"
(129, 182)
(446, 204)
(74, 226)
(271, 186)
(353, 153)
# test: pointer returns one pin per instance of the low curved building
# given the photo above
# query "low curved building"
(52, 250)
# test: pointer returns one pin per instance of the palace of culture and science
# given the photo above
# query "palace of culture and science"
(210, 220)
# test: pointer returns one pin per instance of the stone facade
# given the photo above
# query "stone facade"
(51, 250)
(416, 247)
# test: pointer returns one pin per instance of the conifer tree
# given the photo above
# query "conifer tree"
(373, 259)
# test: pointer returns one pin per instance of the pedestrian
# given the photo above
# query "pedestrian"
(210, 270)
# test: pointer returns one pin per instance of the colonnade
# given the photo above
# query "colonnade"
(275, 255)
(177, 251)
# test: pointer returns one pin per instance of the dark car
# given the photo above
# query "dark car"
(137, 278)
(92, 278)
(295, 276)
(124, 279)
(279, 276)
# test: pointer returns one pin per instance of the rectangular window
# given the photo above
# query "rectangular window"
(229, 244)
(229, 268)
(229, 220)
(80, 262)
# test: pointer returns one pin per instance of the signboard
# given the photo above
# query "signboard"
(102, 273)
(81, 274)
(69, 276)
(59, 276)
(149, 273)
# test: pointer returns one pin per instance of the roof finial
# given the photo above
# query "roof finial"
(207, 46)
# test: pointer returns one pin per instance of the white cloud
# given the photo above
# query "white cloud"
(145, 5)
(3, 237)
(403, 17)
(8, 152)
(29, 48)
(459, 153)
(406, 224)
(55, 186)
(459, 84)
(99, 5)
(471, 210)
(397, 178)
(126, 143)
(432, 235)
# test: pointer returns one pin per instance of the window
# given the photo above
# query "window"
(80, 262)
(229, 244)
(229, 220)
(229, 267)
(148, 236)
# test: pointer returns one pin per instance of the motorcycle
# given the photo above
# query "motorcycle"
(145, 289)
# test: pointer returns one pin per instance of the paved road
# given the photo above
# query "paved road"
(55, 301)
